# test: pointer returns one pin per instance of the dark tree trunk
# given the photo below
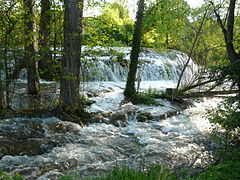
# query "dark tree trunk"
(228, 33)
(44, 33)
(69, 88)
(130, 90)
(31, 48)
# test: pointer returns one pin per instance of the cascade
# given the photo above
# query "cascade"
(111, 64)
(153, 66)
(46, 148)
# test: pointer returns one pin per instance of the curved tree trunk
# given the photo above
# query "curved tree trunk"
(31, 48)
(130, 89)
(228, 31)
(69, 87)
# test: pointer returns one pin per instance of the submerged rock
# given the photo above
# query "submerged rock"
(21, 136)
(118, 119)
(54, 147)
(145, 116)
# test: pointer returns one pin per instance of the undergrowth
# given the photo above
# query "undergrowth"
(154, 172)
(5, 176)
(225, 120)
(142, 98)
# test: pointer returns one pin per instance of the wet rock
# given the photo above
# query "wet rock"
(53, 175)
(167, 114)
(106, 114)
(21, 137)
(145, 116)
(24, 147)
(32, 136)
(118, 119)
(28, 172)
(128, 108)
(96, 118)
(63, 127)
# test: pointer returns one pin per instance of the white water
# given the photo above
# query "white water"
(154, 66)
(95, 149)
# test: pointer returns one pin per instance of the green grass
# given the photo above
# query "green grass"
(154, 172)
(223, 171)
(5, 176)
(141, 98)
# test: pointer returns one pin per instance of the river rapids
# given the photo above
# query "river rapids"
(141, 135)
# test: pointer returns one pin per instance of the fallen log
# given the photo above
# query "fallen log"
(210, 93)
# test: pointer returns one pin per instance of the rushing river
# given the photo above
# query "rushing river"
(49, 147)
(46, 148)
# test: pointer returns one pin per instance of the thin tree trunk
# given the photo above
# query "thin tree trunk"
(31, 48)
(4, 83)
(69, 87)
(44, 32)
(191, 51)
(7, 80)
(130, 90)
(3, 102)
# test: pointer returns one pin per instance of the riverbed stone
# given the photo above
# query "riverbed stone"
(32, 136)
(145, 116)
(118, 119)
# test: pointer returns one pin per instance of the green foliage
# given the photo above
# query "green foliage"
(52, 72)
(226, 132)
(142, 98)
(165, 23)
(1, 154)
(226, 118)
(154, 93)
(153, 172)
(5, 176)
(223, 171)
(112, 28)
(72, 176)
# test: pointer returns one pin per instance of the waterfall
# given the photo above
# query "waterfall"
(153, 66)
(112, 64)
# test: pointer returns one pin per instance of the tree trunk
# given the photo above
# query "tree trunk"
(192, 48)
(31, 48)
(228, 33)
(130, 90)
(44, 33)
(3, 101)
(69, 87)
(233, 56)
(210, 93)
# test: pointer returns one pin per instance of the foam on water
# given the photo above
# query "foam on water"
(95, 149)
(154, 66)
